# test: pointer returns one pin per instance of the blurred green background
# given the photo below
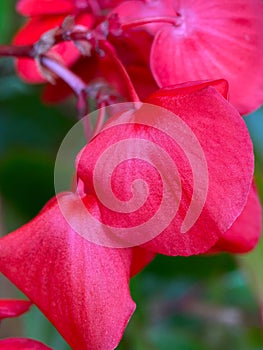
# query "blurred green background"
(197, 303)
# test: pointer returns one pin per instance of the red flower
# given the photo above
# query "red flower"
(197, 40)
(82, 287)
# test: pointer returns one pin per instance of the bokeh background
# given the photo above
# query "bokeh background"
(196, 303)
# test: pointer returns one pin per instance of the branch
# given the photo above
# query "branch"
(17, 51)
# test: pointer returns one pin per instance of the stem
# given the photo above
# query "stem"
(100, 119)
(110, 51)
(31, 50)
(75, 82)
(150, 20)
(17, 51)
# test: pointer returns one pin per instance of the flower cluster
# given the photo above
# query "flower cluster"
(170, 171)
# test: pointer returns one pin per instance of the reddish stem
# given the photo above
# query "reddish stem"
(150, 20)
(110, 51)
(74, 81)
(17, 51)
(31, 51)
(100, 119)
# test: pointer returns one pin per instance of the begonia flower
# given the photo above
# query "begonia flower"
(83, 286)
(199, 40)
(204, 110)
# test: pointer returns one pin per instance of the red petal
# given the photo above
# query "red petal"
(208, 136)
(31, 32)
(216, 39)
(44, 7)
(49, 7)
(13, 308)
(130, 49)
(142, 80)
(56, 93)
(81, 287)
(221, 85)
(244, 234)
(141, 258)
(27, 68)
(35, 27)
(225, 141)
(22, 344)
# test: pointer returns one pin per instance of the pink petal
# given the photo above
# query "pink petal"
(81, 287)
(138, 145)
(13, 308)
(244, 234)
(216, 39)
(22, 344)
(225, 141)
(221, 85)
(49, 7)
(44, 7)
